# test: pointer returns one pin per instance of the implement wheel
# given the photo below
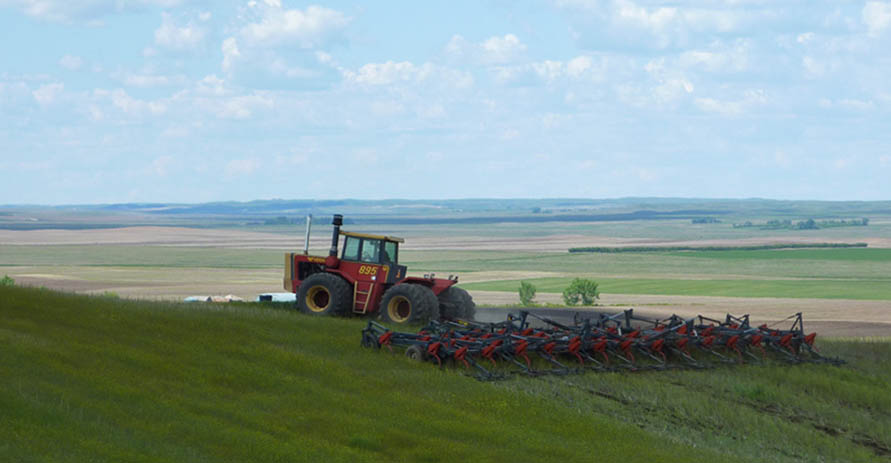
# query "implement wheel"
(324, 294)
(456, 303)
(407, 303)
(416, 353)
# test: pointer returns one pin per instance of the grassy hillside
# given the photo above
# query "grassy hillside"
(110, 380)
(103, 379)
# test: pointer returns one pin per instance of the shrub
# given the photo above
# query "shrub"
(527, 293)
(7, 281)
(581, 290)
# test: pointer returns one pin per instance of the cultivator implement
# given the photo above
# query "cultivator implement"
(533, 345)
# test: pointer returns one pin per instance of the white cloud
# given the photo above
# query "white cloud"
(502, 49)
(244, 106)
(71, 62)
(212, 85)
(877, 17)
(494, 50)
(718, 57)
(627, 21)
(182, 38)
(150, 80)
(230, 53)
(805, 37)
(90, 11)
(391, 72)
(309, 28)
(129, 105)
(750, 99)
(47, 94)
(580, 68)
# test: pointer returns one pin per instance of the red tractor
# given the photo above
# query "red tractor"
(367, 279)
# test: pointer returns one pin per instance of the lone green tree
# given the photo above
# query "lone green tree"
(581, 291)
(7, 281)
(527, 293)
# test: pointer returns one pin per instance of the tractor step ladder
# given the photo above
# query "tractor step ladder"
(362, 296)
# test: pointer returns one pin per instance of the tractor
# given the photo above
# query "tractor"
(366, 278)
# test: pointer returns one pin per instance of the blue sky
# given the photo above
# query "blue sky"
(105, 101)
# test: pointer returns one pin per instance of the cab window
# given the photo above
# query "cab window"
(389, 255)
(351, 248)
(370, 249)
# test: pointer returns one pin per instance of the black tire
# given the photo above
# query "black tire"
(433, 304)
(407, 303)
(456, 303)
(325, 294)
(416, 353)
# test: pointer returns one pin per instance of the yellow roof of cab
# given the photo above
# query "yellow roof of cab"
(374, 237)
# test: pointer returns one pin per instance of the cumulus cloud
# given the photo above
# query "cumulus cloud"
(275, 25)
(149, 80)
(121, 100)
(390, 72)
(244, 106)
(583, 68)
(494, 50)
(628, 22)
(230, 53)
(877, 17)
(750, 99)
(272, 45)
(718, 57)
(47, 94)
(175, 37)
(69, 11)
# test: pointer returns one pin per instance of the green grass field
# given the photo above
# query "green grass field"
(101, 379)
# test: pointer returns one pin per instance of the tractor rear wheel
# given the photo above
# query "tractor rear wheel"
(324, 294)
(455, 303)
(407, 303)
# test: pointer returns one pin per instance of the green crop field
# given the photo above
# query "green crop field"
(87, 379)
(846, 254)
(871, 264)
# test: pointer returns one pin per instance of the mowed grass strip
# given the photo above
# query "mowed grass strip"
(100, 379)
(820, 289)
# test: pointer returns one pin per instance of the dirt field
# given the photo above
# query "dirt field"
(833, 317)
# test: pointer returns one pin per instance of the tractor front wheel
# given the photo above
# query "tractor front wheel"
(408, 303)
(324, 294)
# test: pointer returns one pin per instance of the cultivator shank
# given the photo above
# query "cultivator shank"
(609, 342)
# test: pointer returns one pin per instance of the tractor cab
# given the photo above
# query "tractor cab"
(372, 249)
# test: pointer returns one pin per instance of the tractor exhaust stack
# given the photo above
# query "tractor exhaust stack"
(306, 240)
(337, 222)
